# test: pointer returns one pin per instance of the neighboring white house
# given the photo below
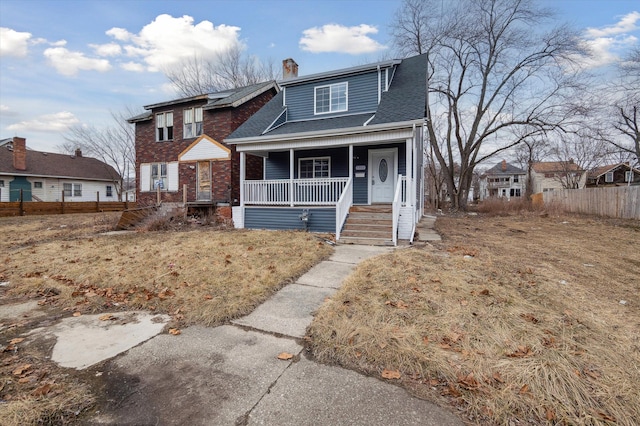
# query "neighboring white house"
(45, 176)
(556, 175)
(504, 181)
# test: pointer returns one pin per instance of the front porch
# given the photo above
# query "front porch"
(326, 205)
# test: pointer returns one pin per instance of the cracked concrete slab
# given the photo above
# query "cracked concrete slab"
(327, 274)
(316, 394)
(288, 312)
(86, 340)
(204, 376)
(347, 253)
(18, 311)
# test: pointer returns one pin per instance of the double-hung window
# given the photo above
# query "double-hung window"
(331, 98)
(309, 168)
(608, 177)
(192, 118)
(109, 191)
(159, 176)
(164, 126)
(628, 176)
(72, 189)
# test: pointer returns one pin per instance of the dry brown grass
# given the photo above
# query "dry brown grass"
(515, 320)
(199, 275)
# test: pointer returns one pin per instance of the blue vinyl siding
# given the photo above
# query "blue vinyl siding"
(277, 165)
(280, 218)
(362, 96)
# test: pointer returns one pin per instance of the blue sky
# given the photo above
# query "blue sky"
(70, 62)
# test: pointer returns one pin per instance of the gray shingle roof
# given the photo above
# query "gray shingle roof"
(509, 170)
(235, 95)
(404, 101)
(57, 165)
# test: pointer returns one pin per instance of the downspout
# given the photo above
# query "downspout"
(379, 83)
(413, 189)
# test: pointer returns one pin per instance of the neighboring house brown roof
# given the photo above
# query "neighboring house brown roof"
(555, 166)
(47, 164)
(599, 171)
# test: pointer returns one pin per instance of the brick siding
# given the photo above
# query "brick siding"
(217, 124)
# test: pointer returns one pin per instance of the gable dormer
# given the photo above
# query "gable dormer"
(350, 91)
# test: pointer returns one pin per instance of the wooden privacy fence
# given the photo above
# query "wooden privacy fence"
(18, 208)
(620, 202)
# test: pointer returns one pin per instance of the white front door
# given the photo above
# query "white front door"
(383, 165)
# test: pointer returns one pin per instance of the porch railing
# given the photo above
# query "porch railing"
(290, 192)
(343, 206)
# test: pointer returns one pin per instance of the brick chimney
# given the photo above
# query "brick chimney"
(78, 152)
(504, 165)
(19, 153)
(289, 69)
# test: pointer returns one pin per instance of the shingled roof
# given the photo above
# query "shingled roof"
(504, 168)
(47, 164)
(404, 101)
(222, 99)
(556, 166)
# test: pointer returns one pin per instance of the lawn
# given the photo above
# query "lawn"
(197, 274)
(518, 319)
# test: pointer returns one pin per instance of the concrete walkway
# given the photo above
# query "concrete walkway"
(231, 375)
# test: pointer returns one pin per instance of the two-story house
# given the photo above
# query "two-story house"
(180, 151)
(503, 181)
(342, 153)
(555, 175)
(46, 176)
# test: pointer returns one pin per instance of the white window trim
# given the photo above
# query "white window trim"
(164, 126)
(608, 177)
(628, 176)
(330, 86)
(300, 160)
(172, 177)
(193, 124)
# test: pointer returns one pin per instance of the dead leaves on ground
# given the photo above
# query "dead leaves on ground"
(391, 374)
(285, 356)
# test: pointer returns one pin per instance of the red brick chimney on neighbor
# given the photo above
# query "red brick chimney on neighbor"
(504, 165)
(289, 69)
(19, 153)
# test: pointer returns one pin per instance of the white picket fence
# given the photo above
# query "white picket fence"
(620, 202)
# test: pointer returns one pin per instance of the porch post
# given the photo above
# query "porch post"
(351, 161)
(291, 175)
(408, 168)
(242, 176)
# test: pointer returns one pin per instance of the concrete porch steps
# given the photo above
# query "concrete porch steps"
(369, 225)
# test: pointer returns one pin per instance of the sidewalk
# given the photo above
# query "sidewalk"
(230, 375)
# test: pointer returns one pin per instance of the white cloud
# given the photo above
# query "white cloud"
(606, 45)
(69, 63)
(50, 123)
(109, 49)
(4, 108)
(168, 40)
(14, 43)
(626, 24)
(132, 66)
(338, 38)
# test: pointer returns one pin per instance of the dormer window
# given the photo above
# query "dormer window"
(192, 122)
(331, 98)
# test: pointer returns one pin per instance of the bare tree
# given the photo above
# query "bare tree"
(531, 150)
(622, 103)
(577, 153)
(113, 145)
(494, 81)
(229, 69)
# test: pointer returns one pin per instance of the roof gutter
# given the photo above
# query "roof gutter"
(329, 132)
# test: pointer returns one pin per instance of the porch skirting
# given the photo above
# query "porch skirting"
(320, 219)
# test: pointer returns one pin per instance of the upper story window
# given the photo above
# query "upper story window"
(309, 168)
(192, 119)
(331, 98)
(608, 177)
(628, 176)
(164, 126)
